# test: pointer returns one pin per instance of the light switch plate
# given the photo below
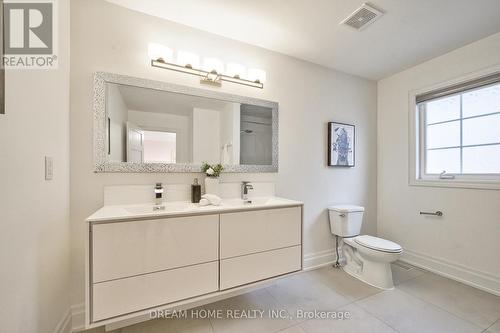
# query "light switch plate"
(49, 168)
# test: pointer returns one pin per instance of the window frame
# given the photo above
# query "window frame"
(417, 140)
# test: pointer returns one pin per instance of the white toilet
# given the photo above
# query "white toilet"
(367, 258)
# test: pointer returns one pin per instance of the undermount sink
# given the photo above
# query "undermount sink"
(165, 207)
(262, 201)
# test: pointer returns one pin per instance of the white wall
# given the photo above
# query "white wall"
(206, 136)
(309, 95)
(34, 213)
(467, 236)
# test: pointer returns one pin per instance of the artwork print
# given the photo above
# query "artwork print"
(341, 146)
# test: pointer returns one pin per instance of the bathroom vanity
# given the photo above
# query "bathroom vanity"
(183, 255)
(140, 259)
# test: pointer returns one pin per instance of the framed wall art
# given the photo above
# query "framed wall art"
(341, 144)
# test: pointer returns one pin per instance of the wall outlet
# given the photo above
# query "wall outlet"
(49, 168)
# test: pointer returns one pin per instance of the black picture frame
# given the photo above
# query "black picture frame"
(341, 147)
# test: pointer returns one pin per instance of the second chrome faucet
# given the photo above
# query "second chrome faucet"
(245, 186)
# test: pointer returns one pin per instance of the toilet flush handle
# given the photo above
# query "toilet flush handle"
(342, 215)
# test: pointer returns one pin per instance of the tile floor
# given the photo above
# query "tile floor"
(422, 302)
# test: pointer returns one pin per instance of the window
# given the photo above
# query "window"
(458, 132)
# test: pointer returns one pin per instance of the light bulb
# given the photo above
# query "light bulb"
(213, 64)
(159, 52)
(235, 70)
(257, 75)
(188, 59)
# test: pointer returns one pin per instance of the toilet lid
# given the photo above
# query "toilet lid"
(378, 244)
(346, 208)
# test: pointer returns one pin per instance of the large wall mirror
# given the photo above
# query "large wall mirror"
(151, 126)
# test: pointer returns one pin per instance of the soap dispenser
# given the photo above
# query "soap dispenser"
(195, 191)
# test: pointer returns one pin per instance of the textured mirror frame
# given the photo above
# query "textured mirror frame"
(101, 164)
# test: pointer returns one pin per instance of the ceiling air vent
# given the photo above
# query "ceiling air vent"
(362, 17)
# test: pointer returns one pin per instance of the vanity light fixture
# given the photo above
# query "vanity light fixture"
(235, 70)
(214, 68)
(187, 59)
(212, 72)
(158, 51)
(213, 65)
(255, 74)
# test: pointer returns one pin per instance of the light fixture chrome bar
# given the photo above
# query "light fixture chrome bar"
(205, 75)
(245, 82)
(177, 68)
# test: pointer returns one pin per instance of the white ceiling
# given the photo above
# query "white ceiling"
(158, 101)
(410, 32)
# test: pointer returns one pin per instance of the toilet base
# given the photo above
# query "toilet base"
(368, 265)
(378, 275)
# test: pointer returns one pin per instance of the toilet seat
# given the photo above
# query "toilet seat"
(378, 244)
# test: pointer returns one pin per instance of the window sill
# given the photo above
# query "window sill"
(457, 183)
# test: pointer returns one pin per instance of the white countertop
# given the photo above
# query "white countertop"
(176, 208)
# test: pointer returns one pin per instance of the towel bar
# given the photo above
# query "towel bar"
(437, 213)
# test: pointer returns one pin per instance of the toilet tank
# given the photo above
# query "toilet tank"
(346, 220)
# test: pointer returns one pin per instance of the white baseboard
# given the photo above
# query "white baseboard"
(77, 317)
(64, 325)
(468, 276)
(465, 275)
(319, 259)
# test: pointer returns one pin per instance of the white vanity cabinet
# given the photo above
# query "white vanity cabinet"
(142, 264)
(159, 262)
(259, 244)
(140, 247)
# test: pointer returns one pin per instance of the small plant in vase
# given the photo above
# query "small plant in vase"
(212, 170)
(212, 181)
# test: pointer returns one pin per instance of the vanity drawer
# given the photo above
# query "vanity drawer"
(260, 230)
(255, 267)
(124, 249)
(118, 297)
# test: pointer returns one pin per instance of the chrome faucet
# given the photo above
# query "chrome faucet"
(159, 197)
(245, 186)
